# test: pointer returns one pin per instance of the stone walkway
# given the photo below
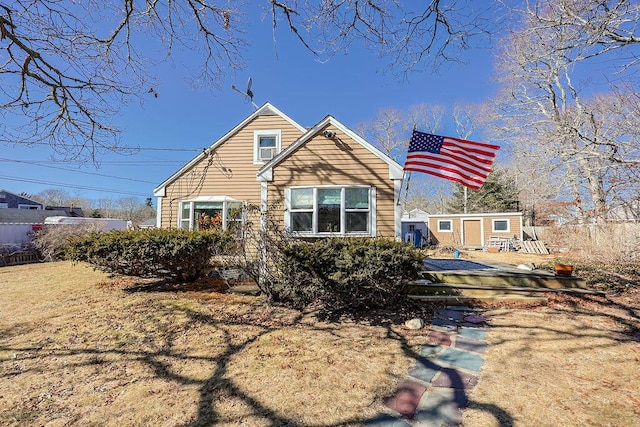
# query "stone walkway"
(436, 388)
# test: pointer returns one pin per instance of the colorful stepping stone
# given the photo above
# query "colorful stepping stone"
(469, 344)
(424, 371)
(475, 333)
(474, 318)
(430, 350)
(437, 337)
(461, 359)
(452, 378)
(406, 398)
(450, 314)
(444, 325)
(441, 408)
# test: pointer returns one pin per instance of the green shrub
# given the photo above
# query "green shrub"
(174, 254)
(346, 272)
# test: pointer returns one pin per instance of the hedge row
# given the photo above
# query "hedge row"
(174, 254)
(357, 273)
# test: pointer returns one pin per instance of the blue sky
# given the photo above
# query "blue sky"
(352, 87)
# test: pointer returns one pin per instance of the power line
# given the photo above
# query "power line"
(76, 171)
(124, 148)
(115, 162)
(78, 187)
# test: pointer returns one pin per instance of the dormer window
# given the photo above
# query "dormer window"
(266, 144)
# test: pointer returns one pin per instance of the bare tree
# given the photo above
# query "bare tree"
(67, 67)
(426, 117)
(410, 36)
(60, 197)
(546, 106)
(387, 130)
(390, 130)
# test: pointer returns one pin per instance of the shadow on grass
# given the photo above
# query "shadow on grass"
(219, 385)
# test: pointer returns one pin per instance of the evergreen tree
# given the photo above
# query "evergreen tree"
(498, 194)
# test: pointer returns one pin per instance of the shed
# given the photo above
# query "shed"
(474, 230)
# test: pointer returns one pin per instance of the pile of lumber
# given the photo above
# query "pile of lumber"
(534, 247)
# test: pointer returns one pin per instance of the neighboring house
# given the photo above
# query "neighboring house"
(10, 200)
(35, 216)
(20, 216)
(474, 230)
(322, 181)
(17, 224)
(71, 211)
(416, 220)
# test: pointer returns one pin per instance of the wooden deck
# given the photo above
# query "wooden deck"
(489, 280)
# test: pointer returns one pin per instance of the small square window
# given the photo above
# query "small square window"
(501, 225)
(266, 145)
(444, 225)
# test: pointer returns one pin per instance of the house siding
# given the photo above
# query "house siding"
(337, 161)
(455, 236)
(13, 201)
(229, 170)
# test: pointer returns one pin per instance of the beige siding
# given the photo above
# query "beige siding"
(445, 238)
(342, 161)
(514, 228)
(455, 236)
(229, 171)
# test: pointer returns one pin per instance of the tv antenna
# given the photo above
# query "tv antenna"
(248, 94)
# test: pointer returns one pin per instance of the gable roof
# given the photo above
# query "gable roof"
(265, 110)
(3, 191)
(266, 172)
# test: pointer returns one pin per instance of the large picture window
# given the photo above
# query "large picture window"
(331, 210)
(211, 212)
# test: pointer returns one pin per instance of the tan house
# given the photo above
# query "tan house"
(322, 181)
(474, 230)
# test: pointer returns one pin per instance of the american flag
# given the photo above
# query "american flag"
(466, 162)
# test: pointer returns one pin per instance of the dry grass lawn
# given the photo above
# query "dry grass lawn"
(573, 362)
(79, 348)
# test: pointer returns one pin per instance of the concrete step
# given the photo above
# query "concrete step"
(494, 273)
(430, 288)
(505, 278)
(460, 299)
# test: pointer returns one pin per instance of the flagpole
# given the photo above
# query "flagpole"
(406, 189)
(404, 174)
(465, 198)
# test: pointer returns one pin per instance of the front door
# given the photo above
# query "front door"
(472, 232)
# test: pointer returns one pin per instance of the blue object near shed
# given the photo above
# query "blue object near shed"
(417, 238)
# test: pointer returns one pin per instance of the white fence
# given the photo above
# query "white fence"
(15, 234)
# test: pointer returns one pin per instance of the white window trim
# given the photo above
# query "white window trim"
(371, 219)
(192, 213)
(450, 230)
(4, 205)
(493, 225)
(256, 144)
